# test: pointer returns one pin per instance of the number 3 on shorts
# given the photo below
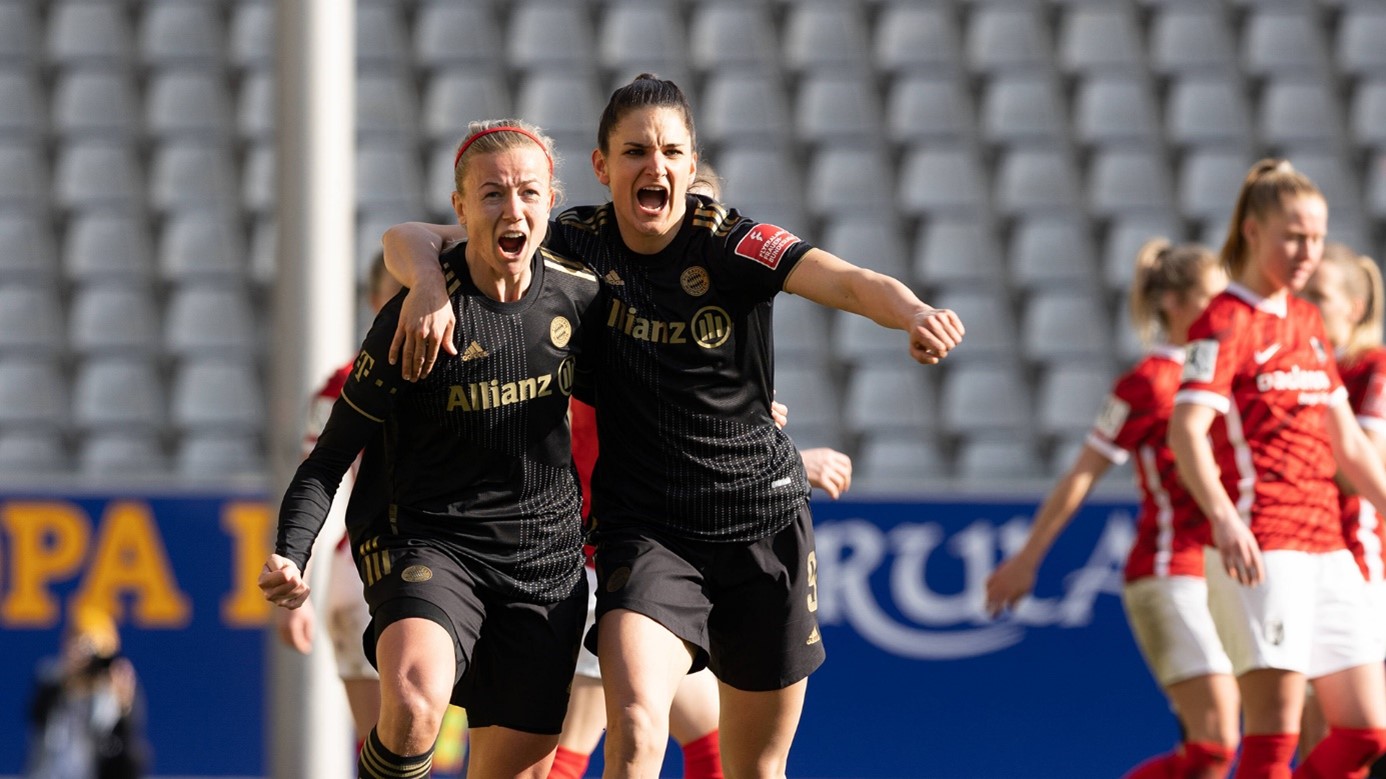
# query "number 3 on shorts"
(812, 581)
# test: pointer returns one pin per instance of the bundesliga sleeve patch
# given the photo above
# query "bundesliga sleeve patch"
(1200, 361)
(766, 244)
(1112, 417)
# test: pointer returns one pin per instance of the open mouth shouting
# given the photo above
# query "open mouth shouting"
(512, 243)
(652, 199)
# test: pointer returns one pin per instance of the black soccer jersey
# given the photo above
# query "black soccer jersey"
(684, 381)
(478, 455)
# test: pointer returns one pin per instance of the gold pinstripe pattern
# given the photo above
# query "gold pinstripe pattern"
(560, 263)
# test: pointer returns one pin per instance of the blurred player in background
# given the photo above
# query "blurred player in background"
(704, 538)
(474, 574)
(1260, 418)
(1166, 596)
(1347, 289)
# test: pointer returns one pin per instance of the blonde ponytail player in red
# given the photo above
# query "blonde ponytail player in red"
(1259, 422)
(1165, 593)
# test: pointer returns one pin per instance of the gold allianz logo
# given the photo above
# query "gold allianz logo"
(709, 328)
(487, 395)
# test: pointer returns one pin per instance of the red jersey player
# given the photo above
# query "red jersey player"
(1287, 598)
(1165, 593)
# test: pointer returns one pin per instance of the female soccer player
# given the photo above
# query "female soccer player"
(1347, 289)
(1165, 594)
(474, 574)
(704, 541)
(1259, 377)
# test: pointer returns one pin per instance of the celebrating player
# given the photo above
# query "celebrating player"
(1285, 594)
(704, 540)
(1165, 594)
(474, 574)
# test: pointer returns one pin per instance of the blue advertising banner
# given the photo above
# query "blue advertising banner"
(919, 682)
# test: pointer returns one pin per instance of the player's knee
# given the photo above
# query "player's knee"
(638, 730)
(417, 701)
(757, 767)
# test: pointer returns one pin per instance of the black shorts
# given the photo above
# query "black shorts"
(748, 607)
(515, 659)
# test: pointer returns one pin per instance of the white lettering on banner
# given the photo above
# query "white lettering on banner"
(945, 626)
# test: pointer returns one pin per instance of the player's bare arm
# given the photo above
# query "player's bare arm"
(1357, 457)
(831, 281)
(427, 320)
(1193, 454)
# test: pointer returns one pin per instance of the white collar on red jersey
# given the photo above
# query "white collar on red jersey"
(1277, 306)
(1169, 352)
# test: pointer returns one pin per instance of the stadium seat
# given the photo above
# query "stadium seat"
(1023, 108)
(916, 38)
(32, 393)
(1100, 39)
(642, 36)
(942, 180)
(29, 253)
(986, 313)
(924, 108)
(388, 176)
(210, 321)
(32, 451)
(449, 34)
(892, 398)
(838, 108)
(263, 263)
(1038, 180)
(89, 34)
(24, 117)
(952, 252)
(255, 107)
(1208, 109)
(732, 35)
(549, 35)
(452, 98)
(992, 463)
(96, 102)
(1065, 325)
(1126, 180)
(872, 240)
(1279, 41)
(19, 30)
(176, 33)
(200, 245)
(215, 394)
(801, 332)
(30, 319)
(851, 180)
(108, 245)
(1209, 180)
(1361, 29)
(117, 393)
(762, 184)
(1003, 37)
(813, 401)
(97, 174)
(1368, 113)
(23, 180)
(251, 37)
(745, 107)
(1129, 348)
(1125, 237)
(1191, 37)
(984, 398)
(1300, 111)
(381, 40)
(121, 454)
(1329, 170)
(258, 185)
(825, 36)
(193, 174)
(188, 103)
(220, 456)
(1115, 110)
(858, 341)
(386, 105)
(894, 465)
(1069, 398)
(1052, 251)
(567, 104)
(580, 185)
(106, 319)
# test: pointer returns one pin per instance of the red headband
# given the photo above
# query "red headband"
(506, 129)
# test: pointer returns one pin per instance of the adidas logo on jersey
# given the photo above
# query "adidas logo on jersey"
(613, 279)
(814, 637)
(474, 352)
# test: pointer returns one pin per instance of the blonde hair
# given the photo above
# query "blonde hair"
(496, 135)
(1267, 186)
(706, 182)
(1362, 282)
(1163, 267)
